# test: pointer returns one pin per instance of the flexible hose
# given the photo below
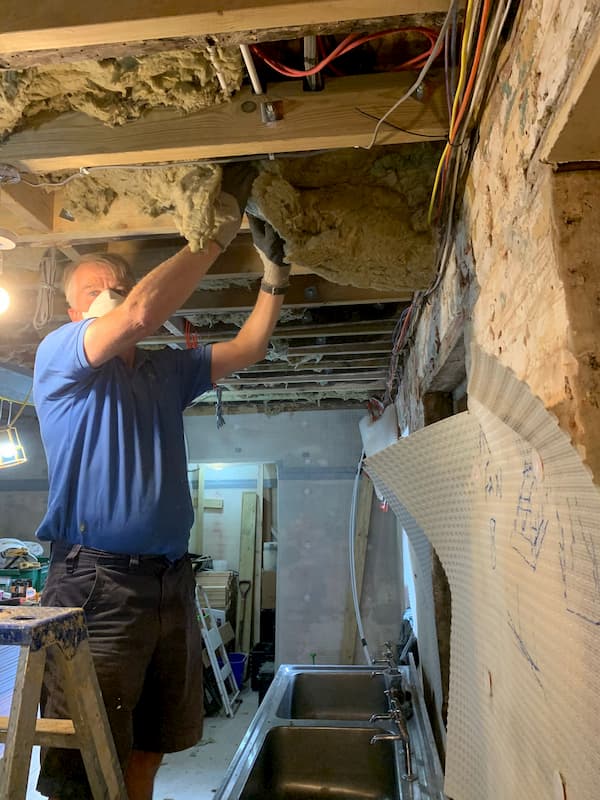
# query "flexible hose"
(351, 541)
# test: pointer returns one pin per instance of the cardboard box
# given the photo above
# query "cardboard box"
(268, 588)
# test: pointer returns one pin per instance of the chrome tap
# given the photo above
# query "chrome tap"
(387, 737)
(395, 714)
(388, 658)
(375, 717)
(398, 737)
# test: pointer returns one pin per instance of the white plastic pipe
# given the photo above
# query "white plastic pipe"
(252, 73)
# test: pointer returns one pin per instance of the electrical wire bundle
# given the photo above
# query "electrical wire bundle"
(348, 44)
(479, 44)
(47, 287)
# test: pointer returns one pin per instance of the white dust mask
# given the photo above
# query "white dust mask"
(106, 301)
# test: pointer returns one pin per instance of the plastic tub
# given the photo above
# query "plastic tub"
(238, 665)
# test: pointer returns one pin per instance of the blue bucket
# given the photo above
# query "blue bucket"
(238, 665)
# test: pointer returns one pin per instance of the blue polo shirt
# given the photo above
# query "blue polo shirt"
(115, 445)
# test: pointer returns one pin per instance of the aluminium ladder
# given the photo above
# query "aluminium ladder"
(217, 654)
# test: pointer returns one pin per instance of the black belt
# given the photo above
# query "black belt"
(70, 553)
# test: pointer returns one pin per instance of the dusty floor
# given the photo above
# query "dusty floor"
(197, 772)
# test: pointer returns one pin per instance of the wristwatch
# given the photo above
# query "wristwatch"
(270, 289)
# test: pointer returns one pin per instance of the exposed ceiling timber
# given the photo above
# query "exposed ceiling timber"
(249, 381)
(268, 368)
(311, 121)
(352, 389)
(54, 55)
(290, 331)
(333, 344)
(44, 26)
(306, 291)
(294, 332)
(33, 207)
(277, 406)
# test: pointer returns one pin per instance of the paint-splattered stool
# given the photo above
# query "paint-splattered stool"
(34, 630)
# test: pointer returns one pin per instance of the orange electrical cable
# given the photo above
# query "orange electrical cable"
(465, 99)
(476, 59)
(349, 43)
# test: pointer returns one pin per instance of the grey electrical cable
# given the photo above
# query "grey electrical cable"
(45, 299)
(426, 67)
(352, 559)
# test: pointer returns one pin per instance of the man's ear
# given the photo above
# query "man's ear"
(75, 316)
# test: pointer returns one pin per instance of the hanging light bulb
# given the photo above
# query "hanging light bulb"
(7, 242)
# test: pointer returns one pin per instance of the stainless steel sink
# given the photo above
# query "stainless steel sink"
(297, 763)
(311, 738)
(334, 696)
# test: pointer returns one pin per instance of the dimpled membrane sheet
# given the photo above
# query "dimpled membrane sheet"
(514, 517)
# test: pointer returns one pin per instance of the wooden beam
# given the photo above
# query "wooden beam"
(33, 207)
(364, 389)
(353, 348)
(572, 135)
(240, 260)
(291, 379)
(302, 331)
(363, 518)
(42, 26)
(311, 121)
(246, 572)
(48, 732)
(196, 543)
(258, 554)
(269, 368)
(304, 292)
(64, 55)
(287, 331)
(70, 252)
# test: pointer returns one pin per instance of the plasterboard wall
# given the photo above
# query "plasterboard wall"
(317, 455)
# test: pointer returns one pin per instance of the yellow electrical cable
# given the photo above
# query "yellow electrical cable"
(23, 406)
(459, 88)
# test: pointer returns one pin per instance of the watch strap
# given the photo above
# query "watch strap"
(269, 288)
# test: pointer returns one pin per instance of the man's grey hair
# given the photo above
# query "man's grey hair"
(120, 267)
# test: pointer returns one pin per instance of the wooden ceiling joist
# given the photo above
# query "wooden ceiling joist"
(34, 208)
(292, 378)
(273, 367)
(28, 26)
(311, 121)
(97, 52)
(366, 389)
(296, 331)
(306, 291)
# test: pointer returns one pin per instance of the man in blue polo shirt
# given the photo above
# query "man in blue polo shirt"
(119, 509)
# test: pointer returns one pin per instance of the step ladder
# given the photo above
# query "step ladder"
(34, 630)
(217, 654)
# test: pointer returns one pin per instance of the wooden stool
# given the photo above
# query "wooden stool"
(34, 629)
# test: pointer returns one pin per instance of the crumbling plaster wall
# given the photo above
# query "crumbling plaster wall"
(510, 278)
(522, 280)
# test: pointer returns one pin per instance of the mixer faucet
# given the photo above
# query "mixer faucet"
(388, 658)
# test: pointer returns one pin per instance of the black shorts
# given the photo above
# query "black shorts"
(147, 649)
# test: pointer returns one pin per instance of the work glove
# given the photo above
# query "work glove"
(236, 184)
(271, 249)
